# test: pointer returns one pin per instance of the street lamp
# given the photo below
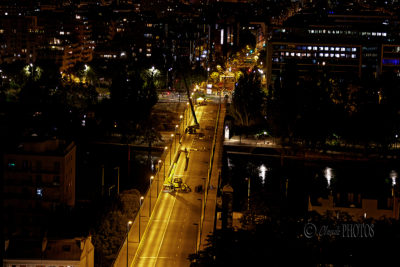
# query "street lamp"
(140, 201)
(170, 151)
(176, 128)
(117, 168)
(151, 179)
(166, 148)
(197, 235)
(158, 174)
(127, 242)
(181, 122)
(188, 116)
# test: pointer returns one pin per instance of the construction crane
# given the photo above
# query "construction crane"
(191, 128)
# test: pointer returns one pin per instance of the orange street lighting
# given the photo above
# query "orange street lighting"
(127, 242)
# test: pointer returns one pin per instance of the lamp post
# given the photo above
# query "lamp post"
(181, 122)
(197, 236)
(127, 242)
(158, 174)
(117, 168)
(187, 110)
(176, 130)
(151, 179)
(141, 200)
(166, 148)
(172, 141)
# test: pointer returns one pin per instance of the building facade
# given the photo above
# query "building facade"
(39, 177)
(72, 252)
(360, 45)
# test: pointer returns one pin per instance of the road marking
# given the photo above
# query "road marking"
(165, 230)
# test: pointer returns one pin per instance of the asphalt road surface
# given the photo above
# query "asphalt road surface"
(172, 232)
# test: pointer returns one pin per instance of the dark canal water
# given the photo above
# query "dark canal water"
(134, 173)
(290, 182)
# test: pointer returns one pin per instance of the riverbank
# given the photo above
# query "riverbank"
(271, 147)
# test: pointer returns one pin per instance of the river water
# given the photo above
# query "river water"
(291, 182)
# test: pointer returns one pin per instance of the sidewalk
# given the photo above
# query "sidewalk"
(210, 214)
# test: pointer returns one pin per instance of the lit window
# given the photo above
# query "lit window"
(337, 55)
(332, 55)
(148, 55)
(309, 47)
(383, 33)
(342, 55)
(379, 34)
(292, 54)
(374, 34)
(329, 32)
(287, 53)
(315, 48)
(342, 49)
(312, 31)
(321, 54)
(326, 48)
(11, 164)
(337, 49)
(353, 55)
(39, 192)
(323, 31)
(326, 54)
(332, 49)
(321, 48)
(353, 49)
(298, 54)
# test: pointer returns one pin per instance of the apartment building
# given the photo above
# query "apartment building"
(39, 177)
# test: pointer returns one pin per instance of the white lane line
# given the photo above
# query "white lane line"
(165, 230)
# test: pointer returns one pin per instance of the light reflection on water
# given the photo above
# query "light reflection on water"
(328, 172)
(311, 178)
(393, 175)
(262, 170)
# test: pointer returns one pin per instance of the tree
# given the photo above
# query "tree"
(109, 234)
(247, 100)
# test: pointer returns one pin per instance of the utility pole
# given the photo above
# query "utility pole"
(117, 168)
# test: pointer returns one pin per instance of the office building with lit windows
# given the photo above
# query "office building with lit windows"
(39, 177)
(356, 45)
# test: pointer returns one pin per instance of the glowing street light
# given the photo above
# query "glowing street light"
(158, 174)
(170, 151)
(140, 201)
(151, 179)
(127, 242)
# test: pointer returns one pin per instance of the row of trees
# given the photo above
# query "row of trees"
(320, 109)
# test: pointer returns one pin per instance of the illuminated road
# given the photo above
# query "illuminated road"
(172, 232)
